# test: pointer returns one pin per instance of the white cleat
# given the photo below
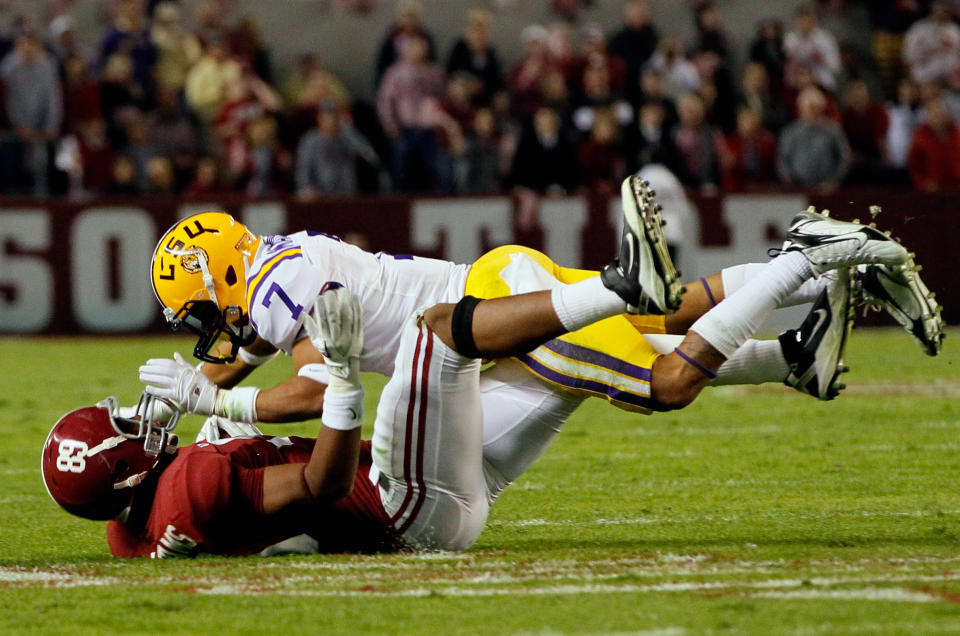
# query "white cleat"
(643, 274)
(830, 244)
(899, 291)
(815, 351)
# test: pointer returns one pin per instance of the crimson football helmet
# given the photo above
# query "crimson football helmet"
(93, 457)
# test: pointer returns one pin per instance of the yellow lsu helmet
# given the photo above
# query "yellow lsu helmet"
(199, 276)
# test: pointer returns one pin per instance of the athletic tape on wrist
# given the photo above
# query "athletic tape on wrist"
(239, 404)
(699, 367)
(462, 327)
(253, 359)
(343, 411)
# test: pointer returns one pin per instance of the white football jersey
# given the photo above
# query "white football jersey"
(288, 272)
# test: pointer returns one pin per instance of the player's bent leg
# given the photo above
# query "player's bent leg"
(521, 416)
(678, 378)
(700, 296)
(427, 443)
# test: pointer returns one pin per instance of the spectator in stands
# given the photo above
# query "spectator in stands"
(177, 48)
(64, 42)
(210, 20)
(865, 125)
(756, 94)
(702, 157)
(208, 80)
(904, 117)
(528, 75)
(635, 41)
(327, 156)
(460, 102)
(407, 26)
(545, 161)
(710, 32)
(812, 151)
(33, 107)
(407, 88)
(890, 19)
(679, 74)
(160, 177)
(717, 90)
(96, 156)
(268, 163)
(206, 180)
(175, 134)
(561, 52)
(474, 53)
(555, 93)
(121, 98)
(248, 46)
(653, 89)
(140, 148)
(932, 45)
(320, 87)
(754, 151)
(130, 35)
(595, 53)
(767, 49)
(480, 164)
(245, 101)
(598, 95)
(652, 141)
(812, 48)
(934, 159)
(81, 95)
(601, 164)
(123, 178)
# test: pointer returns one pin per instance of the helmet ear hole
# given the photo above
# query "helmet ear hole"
(231, 278)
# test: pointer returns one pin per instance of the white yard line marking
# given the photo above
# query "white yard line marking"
(895, 594)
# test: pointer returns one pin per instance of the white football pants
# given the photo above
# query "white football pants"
(428, 443)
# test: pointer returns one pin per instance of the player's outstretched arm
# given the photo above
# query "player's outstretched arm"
(227, 376)
(335, 326)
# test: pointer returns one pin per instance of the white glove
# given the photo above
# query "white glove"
(161, 412)
(217, 428)
(179, 382)
(335, 327)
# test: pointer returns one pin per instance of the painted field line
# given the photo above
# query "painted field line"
(894, 594)
(817, 587)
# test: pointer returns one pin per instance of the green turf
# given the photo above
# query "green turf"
(756, 510)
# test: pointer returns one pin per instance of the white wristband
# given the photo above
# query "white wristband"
(239, 404)
(343, 411)
(253, 359)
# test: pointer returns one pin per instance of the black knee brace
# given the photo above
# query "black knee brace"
(462, 327)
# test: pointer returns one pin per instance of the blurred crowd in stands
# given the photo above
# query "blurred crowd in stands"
(169, 103)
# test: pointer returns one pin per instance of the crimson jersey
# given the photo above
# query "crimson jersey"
(209, 500)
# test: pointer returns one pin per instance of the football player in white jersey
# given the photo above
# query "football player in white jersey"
(425, 481)
(228, 286)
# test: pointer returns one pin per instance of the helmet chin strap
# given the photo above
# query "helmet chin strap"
(207, 277)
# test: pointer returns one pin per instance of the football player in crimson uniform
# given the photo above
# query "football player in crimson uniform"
(427, 482)
(244, 297)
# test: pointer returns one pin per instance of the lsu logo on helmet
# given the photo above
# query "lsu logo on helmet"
(199, 276)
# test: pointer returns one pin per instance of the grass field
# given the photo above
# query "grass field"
(756, 510)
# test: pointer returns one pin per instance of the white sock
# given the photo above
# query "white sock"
(584, 303)
(755, 362)
(728, 325)
(737, 276)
